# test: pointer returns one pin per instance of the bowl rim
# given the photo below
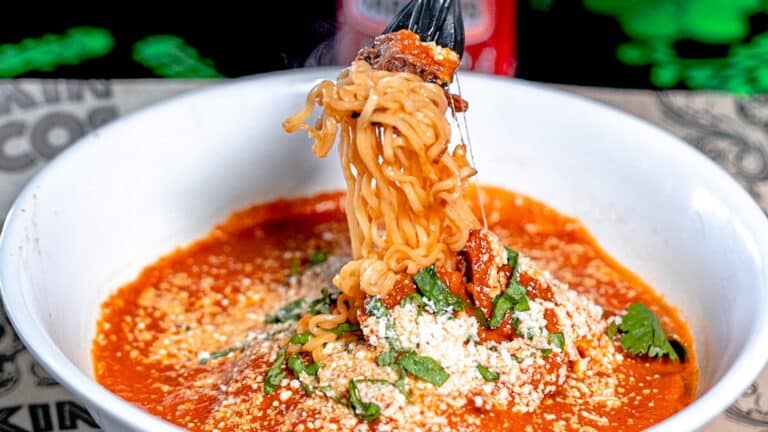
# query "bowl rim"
(747, 366)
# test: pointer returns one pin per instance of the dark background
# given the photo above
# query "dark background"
(562, 44)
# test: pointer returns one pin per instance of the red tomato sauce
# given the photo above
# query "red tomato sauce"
(210, 294)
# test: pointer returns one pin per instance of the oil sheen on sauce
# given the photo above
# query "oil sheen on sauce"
(206, 297)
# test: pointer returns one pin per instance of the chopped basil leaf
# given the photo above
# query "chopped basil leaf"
(317, 257)
(377, 309)
(290, 312)
(439, 297)
(275, 372)
(642, 334)
(557, 340)
(387, 358)
(512, 257)
(295, 364)
(323, 304)
(414, 299)
(481, 318)
(545, 351)
(612, 329)
(373, 381)
(423, 367)
(221, 354)
(312, 369)
(514, 298)
(519, 295)
(301, 338)
(344, 327)
(402, 385)
(501, 305)
(487, 374)
(368, 411)
(240, 346)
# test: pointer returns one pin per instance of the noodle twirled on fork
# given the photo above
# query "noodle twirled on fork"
(405, 204)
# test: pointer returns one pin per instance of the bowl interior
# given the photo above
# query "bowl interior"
(162, 177)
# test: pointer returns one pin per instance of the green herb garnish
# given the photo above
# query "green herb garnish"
(344, 327)
(240, 346)
(423, 367)
(313, 368)
(387, 358)
(513, 299)
(297, 366)
(612, 329)
(218, 354)
(557, 340)
(402, 384)
(512, 257)
(376, 308)
(289, 312)
(545, 351)
(368, 411)
(323, 304)
(275, 372)
(487, 374)
(317, 257)
(301, 338)
(439, 297)
(642, 334)
(413, 299)
(481, 318)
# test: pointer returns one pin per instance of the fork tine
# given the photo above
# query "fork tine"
(436, 21)
(440, 16)
(402, 19)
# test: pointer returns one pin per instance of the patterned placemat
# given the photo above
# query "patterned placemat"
(40, 118)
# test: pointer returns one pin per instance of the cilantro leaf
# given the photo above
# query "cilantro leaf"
(275, 372)
(642, 333)
(291, 311)
(487, 374)
(440, 297)
(612, 329)
(368, 411)
(423, 367)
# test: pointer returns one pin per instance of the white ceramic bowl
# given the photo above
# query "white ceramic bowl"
(162, 177)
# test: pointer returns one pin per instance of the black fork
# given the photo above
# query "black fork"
(436, 21)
